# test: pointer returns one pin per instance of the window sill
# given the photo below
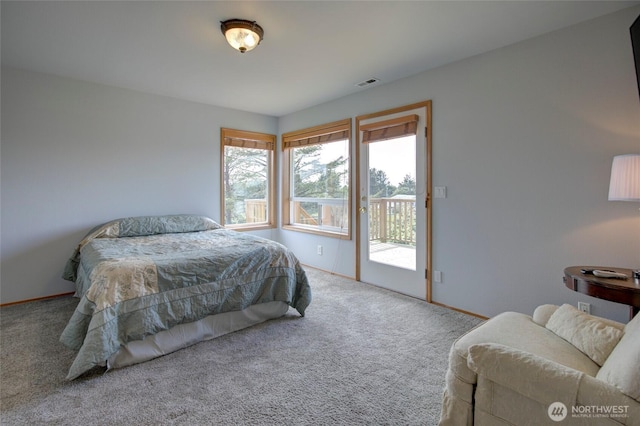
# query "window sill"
(308, 230)
(248, 227)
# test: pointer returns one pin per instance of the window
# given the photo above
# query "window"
(248, 167)
(316, 185)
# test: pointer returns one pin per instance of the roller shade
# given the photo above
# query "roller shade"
(390, 129)
(337, 131)
(243, 139)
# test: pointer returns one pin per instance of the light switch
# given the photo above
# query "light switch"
(440, 192)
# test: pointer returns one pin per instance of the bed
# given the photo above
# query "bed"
(151, 285)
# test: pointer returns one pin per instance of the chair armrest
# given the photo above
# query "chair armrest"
(595, 392)
(546, 382)
(542, 314)
(530, 375)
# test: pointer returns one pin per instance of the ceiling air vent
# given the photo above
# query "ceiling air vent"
(368, 82)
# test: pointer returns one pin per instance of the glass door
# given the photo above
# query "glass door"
(392, 214)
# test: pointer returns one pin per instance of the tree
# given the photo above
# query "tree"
(406, 187)
(315, 179)
(379, 184)
(306, 166)
(245, 177)
(319, 173)
(334, 178)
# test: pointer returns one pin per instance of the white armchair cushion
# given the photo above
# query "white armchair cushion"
(530, 375)
(622, 368)
(592, 336)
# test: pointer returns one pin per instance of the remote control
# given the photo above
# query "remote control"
(609, 274)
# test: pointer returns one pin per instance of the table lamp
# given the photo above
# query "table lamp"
(625, 178)
(625, 183)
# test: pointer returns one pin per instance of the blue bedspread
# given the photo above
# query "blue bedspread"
(132, 285)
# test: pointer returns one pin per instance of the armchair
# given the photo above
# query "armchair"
(560, 366)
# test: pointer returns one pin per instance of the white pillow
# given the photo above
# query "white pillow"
(622, 368)
(589, 334)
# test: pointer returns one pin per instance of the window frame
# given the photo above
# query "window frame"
(316, 135)
(255, 140)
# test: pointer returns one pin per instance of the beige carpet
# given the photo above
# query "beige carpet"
(361, 355)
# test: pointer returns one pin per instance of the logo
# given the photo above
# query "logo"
(557, 411)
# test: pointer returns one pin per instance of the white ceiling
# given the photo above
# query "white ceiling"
(313, 51)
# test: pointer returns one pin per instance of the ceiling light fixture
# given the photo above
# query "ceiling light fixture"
(241, 34)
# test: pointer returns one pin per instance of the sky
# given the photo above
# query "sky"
(397, 157)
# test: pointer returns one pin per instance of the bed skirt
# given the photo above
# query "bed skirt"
(184, 335)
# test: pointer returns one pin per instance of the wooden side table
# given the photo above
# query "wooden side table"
(622, 291)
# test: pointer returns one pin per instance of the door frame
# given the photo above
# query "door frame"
(428, 164)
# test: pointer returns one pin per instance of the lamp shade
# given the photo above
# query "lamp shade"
(241, 34)
(625, 178)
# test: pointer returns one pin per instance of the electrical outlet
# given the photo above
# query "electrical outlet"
(319, 250)
(584, 307)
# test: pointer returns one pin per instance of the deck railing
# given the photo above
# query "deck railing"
(255, 210)
(391, 220)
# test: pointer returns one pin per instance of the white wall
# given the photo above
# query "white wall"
(523, 138)
(77, 154)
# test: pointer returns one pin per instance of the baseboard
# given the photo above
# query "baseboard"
(19, 302)
(460, 310)
(329, 272)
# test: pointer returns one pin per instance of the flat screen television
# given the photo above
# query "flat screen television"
(635, 43)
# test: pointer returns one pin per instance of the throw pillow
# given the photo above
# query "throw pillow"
(589, 334)
(621, 368)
